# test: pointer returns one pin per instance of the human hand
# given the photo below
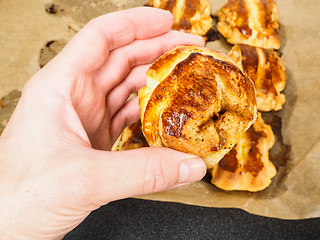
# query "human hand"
(53, 161)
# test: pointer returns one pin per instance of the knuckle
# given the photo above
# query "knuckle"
(92, 22)
(130, 86)
(155, 176)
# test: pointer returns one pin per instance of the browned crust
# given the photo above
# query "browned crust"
(131, 138)
(192, 16)
(252, 22)
(247, 165)
(201, 107)
(265, 69)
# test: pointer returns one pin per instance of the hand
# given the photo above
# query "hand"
(54, 164)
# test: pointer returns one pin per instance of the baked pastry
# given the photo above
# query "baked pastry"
(130, 138)
(189, 15)
(252, 22)
(247, 165)
(196, 101)
(266, 70)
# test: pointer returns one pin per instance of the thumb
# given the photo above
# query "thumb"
(142, 171)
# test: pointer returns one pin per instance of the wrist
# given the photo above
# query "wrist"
(20, 220)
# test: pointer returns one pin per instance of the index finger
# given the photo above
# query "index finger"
(90, 47)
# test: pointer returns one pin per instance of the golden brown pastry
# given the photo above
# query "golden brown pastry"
(191, 16)
(196, 101)
(266, 70)
(247, 165)
(252, 22)
(130, 138)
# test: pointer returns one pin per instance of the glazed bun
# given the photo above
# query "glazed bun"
(196, 101)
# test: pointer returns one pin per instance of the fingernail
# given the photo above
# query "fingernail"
(191, 170)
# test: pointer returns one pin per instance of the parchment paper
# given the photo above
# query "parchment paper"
(26, 28)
